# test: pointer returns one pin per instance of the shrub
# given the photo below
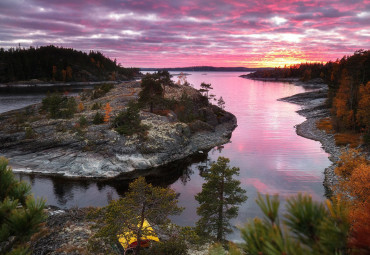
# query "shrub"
(353, 139)
(101, 90)
(29, 133)
(83, 122)
(98, 118)
(59, 106)
(96, 106)
(326, 125)
(128, 121)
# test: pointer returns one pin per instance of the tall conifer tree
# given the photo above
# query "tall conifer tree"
(218, 199)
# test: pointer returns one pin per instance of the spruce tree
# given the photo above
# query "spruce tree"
(218, 199)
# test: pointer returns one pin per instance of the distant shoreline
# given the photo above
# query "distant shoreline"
(208, 69)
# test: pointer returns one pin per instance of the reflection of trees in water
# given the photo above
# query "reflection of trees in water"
(30, 178)
(160, 176)
(203, 167)
(64, 189)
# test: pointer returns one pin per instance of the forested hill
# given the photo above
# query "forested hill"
(50, 63)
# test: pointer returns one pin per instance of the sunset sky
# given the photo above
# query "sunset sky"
(158, 33)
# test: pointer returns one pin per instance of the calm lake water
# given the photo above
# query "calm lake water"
(271, 157)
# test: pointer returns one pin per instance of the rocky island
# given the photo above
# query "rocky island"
(82, 146)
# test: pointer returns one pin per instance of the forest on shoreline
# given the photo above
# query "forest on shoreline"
(51, 63)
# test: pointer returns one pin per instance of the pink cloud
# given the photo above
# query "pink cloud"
(182, 33)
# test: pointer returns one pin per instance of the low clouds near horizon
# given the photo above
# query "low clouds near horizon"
(159, 33)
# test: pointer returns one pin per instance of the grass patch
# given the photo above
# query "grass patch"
(326, 125)
(343, 139)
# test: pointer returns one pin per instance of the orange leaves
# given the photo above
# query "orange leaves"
(354, 186)
(326, 125)
(344, 101)
(81, 107)
(359, 182)
(360, 234)
(363, 112)
(348, 162)
(107, 110)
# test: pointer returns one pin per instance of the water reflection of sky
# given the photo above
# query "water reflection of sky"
(271, 157)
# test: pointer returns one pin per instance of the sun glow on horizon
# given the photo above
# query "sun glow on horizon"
(281, 58)
(161, 33)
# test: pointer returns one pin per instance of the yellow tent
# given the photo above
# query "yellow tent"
(132, 242)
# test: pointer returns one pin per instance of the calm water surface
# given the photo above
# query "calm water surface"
(271, 157)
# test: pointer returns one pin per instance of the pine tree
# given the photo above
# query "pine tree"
(218, 199)
(20, 214)
(308, 228)
(164, 78)
(152, 91)
(142, 202)
(221, 103)
(205, 88)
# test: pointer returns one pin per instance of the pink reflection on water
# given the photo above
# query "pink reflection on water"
(259, 186)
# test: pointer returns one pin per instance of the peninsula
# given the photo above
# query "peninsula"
(82, 137)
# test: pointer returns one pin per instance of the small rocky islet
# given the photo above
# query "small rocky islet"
(34, 142)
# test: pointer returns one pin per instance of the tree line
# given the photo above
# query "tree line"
(51, 63)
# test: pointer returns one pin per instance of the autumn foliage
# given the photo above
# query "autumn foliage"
(354, 188)
(81, 107)
(107, 110)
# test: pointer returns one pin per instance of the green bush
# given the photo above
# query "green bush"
(29, 133)
(96, 106)
(83, 122)
(98, 118)
(101, 90)
(59, 107)
(128, 121)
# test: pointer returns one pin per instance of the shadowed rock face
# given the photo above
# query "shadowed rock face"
(59, 146)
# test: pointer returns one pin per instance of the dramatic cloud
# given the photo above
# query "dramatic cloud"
(159, 33)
